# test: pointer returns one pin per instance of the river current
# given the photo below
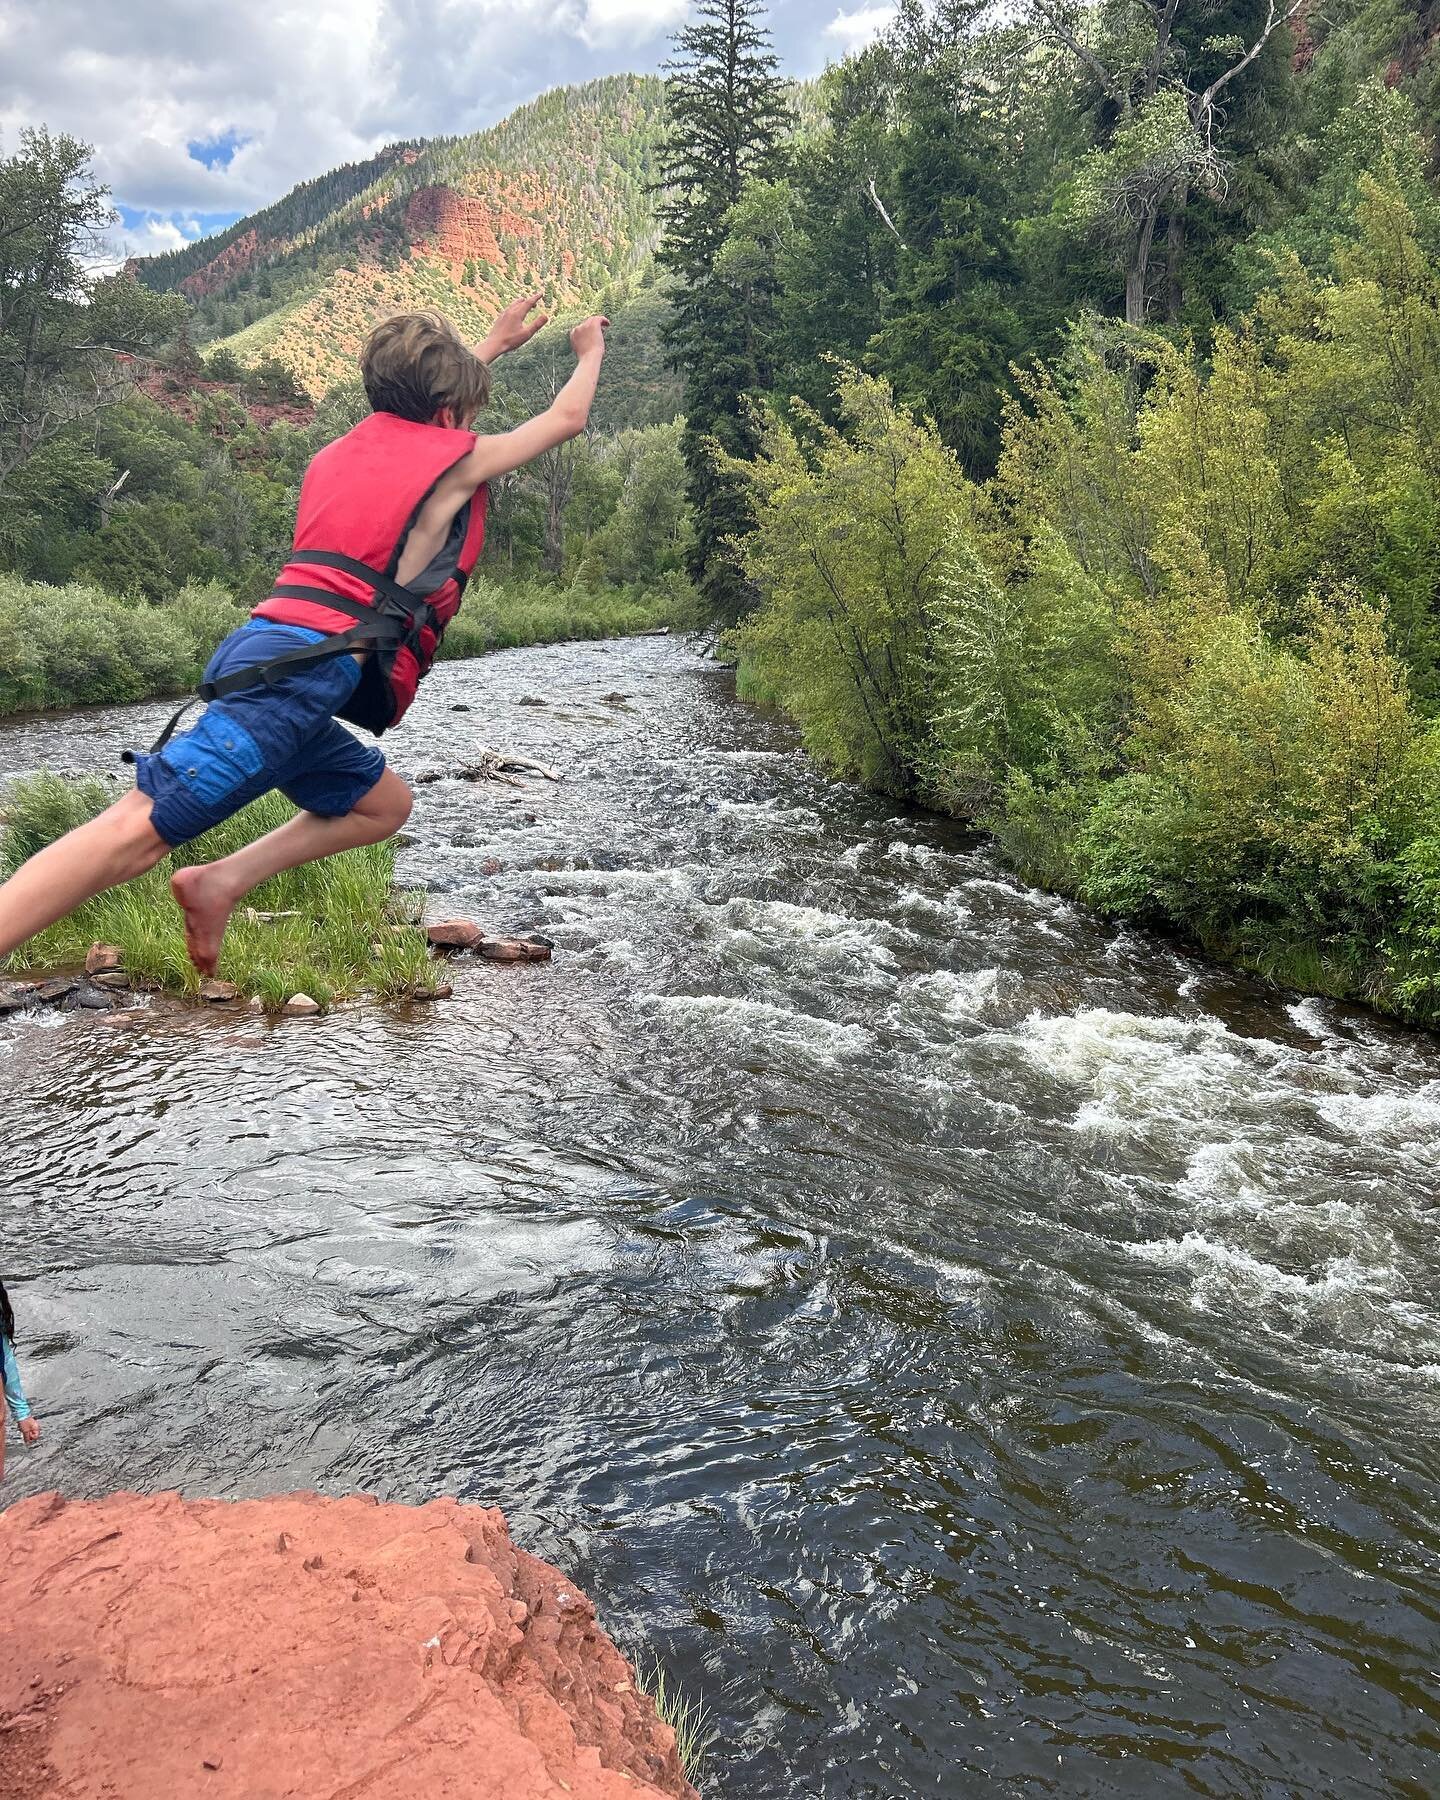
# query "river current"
(976, 1349)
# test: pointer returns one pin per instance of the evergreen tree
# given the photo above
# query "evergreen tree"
(955, 326)
(727, 121)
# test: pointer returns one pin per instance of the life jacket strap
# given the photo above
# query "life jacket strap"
(397, 617)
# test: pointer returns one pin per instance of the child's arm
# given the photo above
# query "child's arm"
(15, 1394)
(565, 418)
(512, 328)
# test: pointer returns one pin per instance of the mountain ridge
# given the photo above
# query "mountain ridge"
(557, 196)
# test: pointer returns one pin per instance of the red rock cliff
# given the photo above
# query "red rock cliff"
(305, 1647)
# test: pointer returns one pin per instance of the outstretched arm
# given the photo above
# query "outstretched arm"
(565, 418)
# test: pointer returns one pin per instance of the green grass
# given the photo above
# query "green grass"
(690, 1720)
(353, 933)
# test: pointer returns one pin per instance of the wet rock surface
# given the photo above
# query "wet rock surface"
(301, 1646)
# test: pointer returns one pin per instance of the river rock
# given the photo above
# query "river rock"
(116, 979)
(532, 700)
(455, 934)
(156, 1646)
(441, 991)
(301, 1006)
(532, 949)
(59, 988)
(86, 996)
(491, 866)
(104, 959)
(218, 993)
(17, 998)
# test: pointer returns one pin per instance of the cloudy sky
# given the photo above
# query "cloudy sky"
(201, 110)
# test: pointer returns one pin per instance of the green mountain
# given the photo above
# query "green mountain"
(556, 197)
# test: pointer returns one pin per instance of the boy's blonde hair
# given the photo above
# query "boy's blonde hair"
(418, 365)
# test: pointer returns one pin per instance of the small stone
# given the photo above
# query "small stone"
(111, 978)
(257, 1005)
(218, 993)
(86, 997)
(455, 934)
(460, 706)
(531, 700)
(442, 991)
(51, 993)
(210, 1762)
(104, 959)
(301, 1006)
(617, 699)
(491, 866)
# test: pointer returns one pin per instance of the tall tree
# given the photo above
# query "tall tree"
(728, 121)
(64, 335)
(1163, 72)
(954, 324)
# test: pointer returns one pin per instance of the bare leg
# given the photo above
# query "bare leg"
(118, 845)
(209, 893)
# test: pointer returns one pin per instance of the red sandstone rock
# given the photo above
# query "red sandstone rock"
(240, 254)
(292, 1648)
(104, 959)
(455, 227)
(455, 934)
(517, 950)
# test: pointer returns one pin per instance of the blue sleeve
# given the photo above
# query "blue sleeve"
(14, 1393)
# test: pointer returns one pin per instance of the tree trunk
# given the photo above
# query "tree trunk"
(1136, 305)
(1175, 254)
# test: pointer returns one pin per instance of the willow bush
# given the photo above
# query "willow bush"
(1182, 653)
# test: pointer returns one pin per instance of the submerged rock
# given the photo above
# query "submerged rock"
(86, 996)
(51, 993)
(247, 1650)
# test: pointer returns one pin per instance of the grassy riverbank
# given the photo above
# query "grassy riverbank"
(75, 646)
(346, 931)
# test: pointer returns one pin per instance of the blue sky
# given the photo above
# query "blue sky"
(200, 112)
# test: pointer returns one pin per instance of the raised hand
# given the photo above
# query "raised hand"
(514, 327)
(589, 335)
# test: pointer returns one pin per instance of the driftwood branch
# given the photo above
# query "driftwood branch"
(494, 765)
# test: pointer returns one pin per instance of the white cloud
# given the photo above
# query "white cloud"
(854, 30)
(300, 86)
(629, 21)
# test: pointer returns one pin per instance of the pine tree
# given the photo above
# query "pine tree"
(728, 120)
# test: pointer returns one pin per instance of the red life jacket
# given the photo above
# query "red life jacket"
(358, 502)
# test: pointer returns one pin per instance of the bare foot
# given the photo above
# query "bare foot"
(207, 909)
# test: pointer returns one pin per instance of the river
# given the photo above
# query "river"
(976, 1349)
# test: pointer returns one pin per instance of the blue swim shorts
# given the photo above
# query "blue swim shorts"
(282, 736)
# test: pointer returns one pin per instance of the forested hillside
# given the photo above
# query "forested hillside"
(555, 197)
(1064, 412)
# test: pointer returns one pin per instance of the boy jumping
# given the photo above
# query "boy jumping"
(390, 523)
